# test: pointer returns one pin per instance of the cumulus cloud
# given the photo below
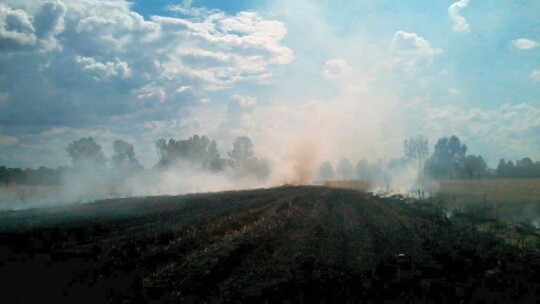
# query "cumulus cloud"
(16, 29)
(105, 61)
(525, 44)
(20, 30)
(411, 43)
(335, 68)
(103, 71)
(411, 49)
(460, 23)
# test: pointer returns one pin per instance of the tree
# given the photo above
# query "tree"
(501, 167)
(123, 152)
(124, 156)
(86, 152)
(326, 171)
(448, 158)
(244, 161)
(345, 169)
(525, 168)
(510, 169)
(505, 169)
(416, 149)
(197, 150)
(475, 166)
(242, 150)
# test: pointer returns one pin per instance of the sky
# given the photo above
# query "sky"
(345, 79)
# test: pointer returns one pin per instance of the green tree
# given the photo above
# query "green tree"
(448, 158)
(197, 150)
(124, 156)
(475, 166)
(86, 152)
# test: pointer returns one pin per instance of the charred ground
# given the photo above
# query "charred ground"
(297, 244)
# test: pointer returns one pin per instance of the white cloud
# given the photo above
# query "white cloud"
(411, 43)
(105, 60)
(335, 68)
(535, 75)
(525, 44)
(103, 71)
(20, 30)
(16, 28)
(411, 49)
(460, 23)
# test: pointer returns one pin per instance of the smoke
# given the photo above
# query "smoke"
(354, 97)
(304, 163)
(91, 184)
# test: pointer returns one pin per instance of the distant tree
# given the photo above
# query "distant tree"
(525, 168)
(163, 151)
(197, 150)
(475, 166)
(416, 149)
(11, 175)
(326, 171)
(124, 156)
(366, 171)
(242, 150)
(34, 177)
(505, 169)
(448, 158)
(123, 152)
(345, 169)
(510, 169)
(86, 152)
(362, 170)
(243, 159)
(500, 171)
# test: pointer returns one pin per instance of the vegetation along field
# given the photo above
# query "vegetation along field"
(297, 244)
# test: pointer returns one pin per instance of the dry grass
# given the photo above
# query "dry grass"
(492, 190)
(362, 185)
(495, 190)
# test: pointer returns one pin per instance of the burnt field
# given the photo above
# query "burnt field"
(302, 244)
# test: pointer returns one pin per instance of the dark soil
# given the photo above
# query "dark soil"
(289, 244)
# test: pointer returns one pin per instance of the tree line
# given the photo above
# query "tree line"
(194, 153)
(449, 160)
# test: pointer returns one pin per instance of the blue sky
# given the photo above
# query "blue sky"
(352, 79)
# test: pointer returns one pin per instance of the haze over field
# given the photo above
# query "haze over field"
(307, 81)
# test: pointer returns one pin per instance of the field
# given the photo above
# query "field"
(288, 244)
(513, 200)
(494, 190)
